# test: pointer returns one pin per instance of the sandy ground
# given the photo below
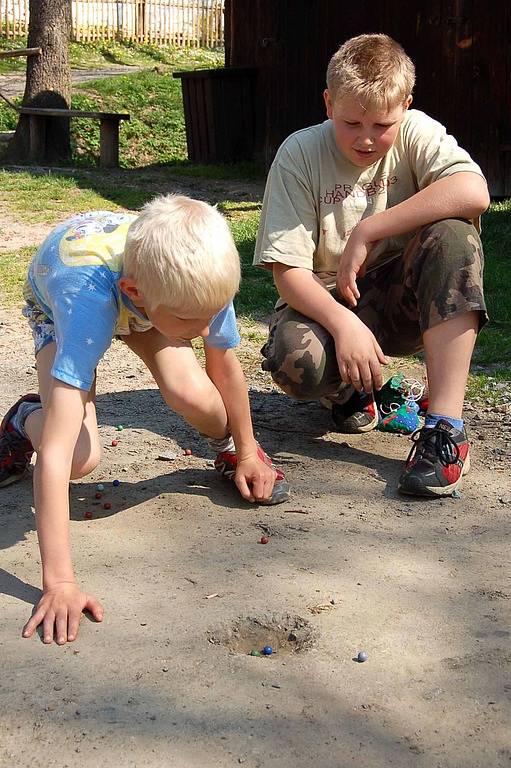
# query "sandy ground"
(423, 587)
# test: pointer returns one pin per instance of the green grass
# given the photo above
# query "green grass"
(102, 55)
(494, 343)
(257, 292)
(50, 197)
(155, 133)
(13, 269)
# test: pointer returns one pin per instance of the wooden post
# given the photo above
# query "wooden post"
(109, 143)
(37, 141)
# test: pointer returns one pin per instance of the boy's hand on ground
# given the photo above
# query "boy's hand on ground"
(59, 611)
(351, 266)
(254, 479)
(359, 355)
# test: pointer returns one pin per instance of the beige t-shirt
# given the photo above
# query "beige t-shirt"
(315, 196)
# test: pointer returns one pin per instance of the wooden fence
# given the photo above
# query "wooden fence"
(184, 23)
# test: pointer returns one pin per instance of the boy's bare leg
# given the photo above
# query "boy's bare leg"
(185, 386)
(448, 348)
(87, 452)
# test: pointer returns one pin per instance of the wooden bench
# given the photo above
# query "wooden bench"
(108, 131)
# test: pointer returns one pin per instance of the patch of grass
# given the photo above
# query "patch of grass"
(13, 270)
(155, 134)
(52, 196)
(494, 343)
(156, 130)
(257, 293)
(101, 55)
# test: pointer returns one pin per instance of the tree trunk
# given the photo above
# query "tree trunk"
(48, 79)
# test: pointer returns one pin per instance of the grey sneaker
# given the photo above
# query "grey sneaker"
(359, 414)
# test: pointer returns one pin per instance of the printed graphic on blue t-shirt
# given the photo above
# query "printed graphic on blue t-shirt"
(74, 277)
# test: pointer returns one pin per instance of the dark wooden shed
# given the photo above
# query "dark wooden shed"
(461, 49)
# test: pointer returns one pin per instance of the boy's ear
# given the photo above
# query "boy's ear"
(328, 103)
(408, 101)
(129, 287)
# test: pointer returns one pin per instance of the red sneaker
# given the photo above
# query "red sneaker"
(437, 462)
(227, 461)
(15, 450)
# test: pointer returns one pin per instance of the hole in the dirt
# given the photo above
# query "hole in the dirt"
(284, 633)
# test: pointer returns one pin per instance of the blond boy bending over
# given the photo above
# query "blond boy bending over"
(157, 281)
(366, 226)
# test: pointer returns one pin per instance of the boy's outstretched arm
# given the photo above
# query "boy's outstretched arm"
(61, 605)
(254, 478)
(461, 195)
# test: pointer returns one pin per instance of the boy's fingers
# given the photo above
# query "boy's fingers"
(258, 488)
(367, 377)
(376, 374)
(353, 285)
(243, 488)
(355, 376)
(33, 623)
(73, 623)
(48, 624)
(93, 606)
(350, 297)
(381, 357)
(343, 370)
(61, 628)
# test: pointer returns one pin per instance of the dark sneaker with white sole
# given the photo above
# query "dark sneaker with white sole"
(15, 450)
(227, 461)
(437, 461)
(358, 415)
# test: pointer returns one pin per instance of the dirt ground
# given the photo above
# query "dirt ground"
(167, 680)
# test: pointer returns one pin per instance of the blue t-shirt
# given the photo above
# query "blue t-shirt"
(74, 278)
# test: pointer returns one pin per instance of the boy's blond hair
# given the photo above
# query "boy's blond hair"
(372, 68)
(181, 255)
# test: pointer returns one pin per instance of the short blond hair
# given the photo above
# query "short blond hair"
(181, 255)
(372, 68)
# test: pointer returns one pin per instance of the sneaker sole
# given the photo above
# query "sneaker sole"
(280, 494)
(12, 479)
(356, 430)
(435, 492)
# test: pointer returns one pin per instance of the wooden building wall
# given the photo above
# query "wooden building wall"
(460, 48)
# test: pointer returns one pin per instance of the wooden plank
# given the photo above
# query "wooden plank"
(20, 52)
(47, 112)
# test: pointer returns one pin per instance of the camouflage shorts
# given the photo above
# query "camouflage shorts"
(439, 276)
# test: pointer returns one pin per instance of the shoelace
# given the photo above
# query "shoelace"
(434, 443)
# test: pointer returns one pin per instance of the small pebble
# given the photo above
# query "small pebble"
(115, 483)
(264, 539)
(120, 428)
(98, 494)
(362, 656)
(100, 487)
(188, 451)
(87, 515)
(267, 650)
(114, 443)
(456, 494)
(107, 505)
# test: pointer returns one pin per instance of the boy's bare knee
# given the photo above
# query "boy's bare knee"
(195, 396)
(85, 463)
